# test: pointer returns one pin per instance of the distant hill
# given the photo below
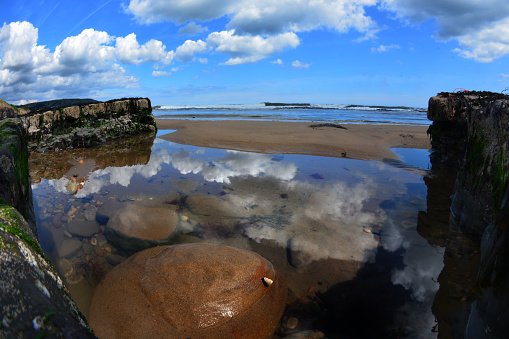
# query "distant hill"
(53, 104)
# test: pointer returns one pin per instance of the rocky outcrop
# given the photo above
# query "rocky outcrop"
(470, 133)
(33, 300)
(88, 125)
(9, 111)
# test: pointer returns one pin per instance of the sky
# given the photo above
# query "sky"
(204, 52)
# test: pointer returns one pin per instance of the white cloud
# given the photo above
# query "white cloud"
(487, 44)
(298, 64)
(158, 74)
(384, 48)
(188, 49)
(263, 17)
(248, 49)
(79, 66)
(179, 11)
(192, 29)
(480, 27)
(275, 17)
(129, 51)
(277, 62)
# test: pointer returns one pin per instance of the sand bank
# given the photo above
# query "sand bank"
(364, 142)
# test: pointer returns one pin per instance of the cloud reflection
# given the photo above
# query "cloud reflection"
(220, 170)
(331, 224)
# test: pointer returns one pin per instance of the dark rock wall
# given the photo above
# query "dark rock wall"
(33, 300)
(15, 189)
(470, 134)
(88, 125)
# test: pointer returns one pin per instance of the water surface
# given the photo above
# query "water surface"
(343, 232)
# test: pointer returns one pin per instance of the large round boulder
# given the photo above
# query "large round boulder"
(135, 228)
(190, 291)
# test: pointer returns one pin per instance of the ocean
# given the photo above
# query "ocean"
(355, 114)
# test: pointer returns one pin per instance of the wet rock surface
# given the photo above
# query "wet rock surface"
(87, 125)
(470, 133)
(134, 228)
(33, 299)
(191, 290)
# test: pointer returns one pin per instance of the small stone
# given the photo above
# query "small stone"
(83, 228)
(67, 234)
(114, 259)
(292, 323)
(93, 241)
(90, 213)
(69, 247)
(72, 186)
(72, 211)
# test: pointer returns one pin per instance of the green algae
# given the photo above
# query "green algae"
(11, 225)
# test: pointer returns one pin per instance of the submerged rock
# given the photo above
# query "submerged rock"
(69, 247)
(135, 228)
(83, 228)
(190, 291)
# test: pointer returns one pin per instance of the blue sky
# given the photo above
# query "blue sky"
(199, 52)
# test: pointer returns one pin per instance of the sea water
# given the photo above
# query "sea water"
(303, 112)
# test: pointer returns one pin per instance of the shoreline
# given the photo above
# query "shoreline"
(356, 141)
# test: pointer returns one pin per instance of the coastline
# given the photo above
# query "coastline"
(357, 141)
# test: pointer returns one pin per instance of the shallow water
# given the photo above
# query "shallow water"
(343, 232)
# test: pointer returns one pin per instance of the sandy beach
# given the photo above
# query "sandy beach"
(363, 142)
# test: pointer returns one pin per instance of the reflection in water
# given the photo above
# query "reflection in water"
(331, 226)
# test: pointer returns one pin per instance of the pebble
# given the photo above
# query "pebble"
(72, 211)
(292, 323)
(69, 247)
(67, 234)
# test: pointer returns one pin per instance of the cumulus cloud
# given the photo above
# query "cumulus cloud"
(248, 49)
(81, 64)
(298, 64)
(263, 17)
(129, 51)
(179, 11)
(277, 62)
(188, 49)
(481, 27)
(275, 17)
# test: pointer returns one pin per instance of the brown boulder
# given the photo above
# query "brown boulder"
(150, 223)
(135, 228)
(190, 291)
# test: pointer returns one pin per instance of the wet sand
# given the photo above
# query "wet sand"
(363, 142)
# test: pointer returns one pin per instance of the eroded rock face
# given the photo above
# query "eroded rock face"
(135, 228)
(87, 125)
(190, 291)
